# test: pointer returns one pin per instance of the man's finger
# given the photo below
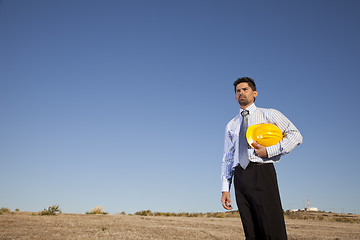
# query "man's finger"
(255, 145)
(225, 200)
(227, 206)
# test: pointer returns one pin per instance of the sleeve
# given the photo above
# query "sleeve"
(291, 135)
(227, 161)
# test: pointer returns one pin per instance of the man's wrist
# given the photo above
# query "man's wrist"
(225, 187)
(272, 151)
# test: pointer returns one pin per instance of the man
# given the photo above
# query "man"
(255, 182)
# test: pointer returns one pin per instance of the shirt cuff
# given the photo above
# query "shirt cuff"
(272, 151)
(225, 186)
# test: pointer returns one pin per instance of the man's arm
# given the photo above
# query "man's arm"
(226, 169)
(291, 135)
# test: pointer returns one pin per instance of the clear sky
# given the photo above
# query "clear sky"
(124, 103)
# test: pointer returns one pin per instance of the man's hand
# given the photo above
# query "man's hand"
(260, 150)
(225, 200)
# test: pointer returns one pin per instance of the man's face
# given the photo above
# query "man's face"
(244, 95)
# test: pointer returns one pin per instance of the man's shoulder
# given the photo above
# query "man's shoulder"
(266, 110)
(235, 118)
(233, 121)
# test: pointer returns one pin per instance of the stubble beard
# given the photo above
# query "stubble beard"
(243, 102)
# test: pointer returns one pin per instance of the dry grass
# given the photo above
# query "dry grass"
(26, 225)
(324, 216)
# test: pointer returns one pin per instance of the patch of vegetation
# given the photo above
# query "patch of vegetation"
(52, 210)
(323, 216)
(185, 214)
(302, 215)
(4, 210)
(103, 213)
(97, 210)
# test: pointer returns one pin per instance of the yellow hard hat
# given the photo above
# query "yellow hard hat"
(265, 134)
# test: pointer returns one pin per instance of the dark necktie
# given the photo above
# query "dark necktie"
(243, 145)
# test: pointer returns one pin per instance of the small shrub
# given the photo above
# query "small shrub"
(52, 210)
(97, 210)
(4, 210)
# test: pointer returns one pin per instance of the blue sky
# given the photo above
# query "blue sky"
(124, 103)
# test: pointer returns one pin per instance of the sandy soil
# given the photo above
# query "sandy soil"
(24, 225)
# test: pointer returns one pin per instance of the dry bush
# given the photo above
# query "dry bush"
(52, 210)
(97, 210)
(4, 210)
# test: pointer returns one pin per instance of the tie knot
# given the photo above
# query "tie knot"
(245, 113)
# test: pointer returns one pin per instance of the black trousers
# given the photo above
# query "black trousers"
(258, 199)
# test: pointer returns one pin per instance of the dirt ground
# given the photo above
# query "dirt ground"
(25, 225)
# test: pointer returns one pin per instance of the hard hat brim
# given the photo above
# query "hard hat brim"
(250, 133)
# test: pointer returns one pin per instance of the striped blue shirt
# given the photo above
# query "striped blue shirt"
(291, 139)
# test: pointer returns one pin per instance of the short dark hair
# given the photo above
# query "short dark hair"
(248, 80)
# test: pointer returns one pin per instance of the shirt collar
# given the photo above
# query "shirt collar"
(250, 108)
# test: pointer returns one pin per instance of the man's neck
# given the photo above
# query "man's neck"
(245, 107)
